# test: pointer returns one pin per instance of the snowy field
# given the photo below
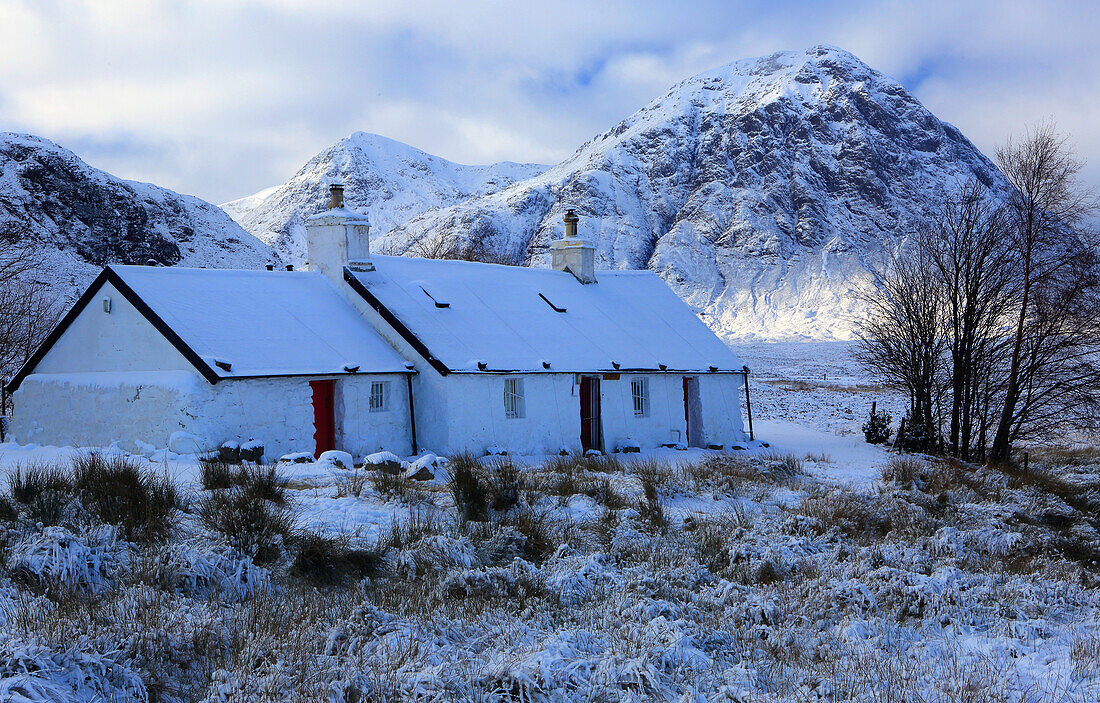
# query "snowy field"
(794, 572)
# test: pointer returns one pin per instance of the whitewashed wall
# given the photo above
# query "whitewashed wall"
(473, 408)
(145, 408)
(121, 340)
(98, 408)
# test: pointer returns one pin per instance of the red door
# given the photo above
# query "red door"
(590, 413)
(324, 419)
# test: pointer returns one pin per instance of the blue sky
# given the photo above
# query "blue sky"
(221, 99)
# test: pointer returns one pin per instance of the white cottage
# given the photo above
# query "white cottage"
(364, 353)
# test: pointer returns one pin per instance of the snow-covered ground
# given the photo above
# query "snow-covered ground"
(792, 572)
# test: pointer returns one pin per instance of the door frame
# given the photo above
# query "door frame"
(323, 399)
(693, 413)
(591, 416)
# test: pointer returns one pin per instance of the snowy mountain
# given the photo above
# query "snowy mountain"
(760, 191)
(80, 218)
(389, 181)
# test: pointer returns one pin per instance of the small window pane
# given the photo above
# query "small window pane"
(379, 396)
(639, 389)
(513, 397)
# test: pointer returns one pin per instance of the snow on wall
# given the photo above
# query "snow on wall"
(96, 409)
(140, 409)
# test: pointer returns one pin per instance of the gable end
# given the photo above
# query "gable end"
(108, 275)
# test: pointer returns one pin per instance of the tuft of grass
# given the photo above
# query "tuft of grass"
(502, 481)
(330, 561)
(652, 475)
(420, 524)
(782, 468)
(121, 492)
(250, 520)
(385, 481)
(905, 471)
(217, 475)
(45, 491)
(471, 495)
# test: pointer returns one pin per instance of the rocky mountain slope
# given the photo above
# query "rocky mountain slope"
(760, 191)
(389, 181)
(79, 218)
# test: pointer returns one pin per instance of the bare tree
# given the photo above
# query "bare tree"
(27, 310)
(965, 246)
(1056, 328)
(902, 338)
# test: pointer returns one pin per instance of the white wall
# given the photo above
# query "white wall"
(96, 409)
(473, 408)
(360, 431)
(122, 340)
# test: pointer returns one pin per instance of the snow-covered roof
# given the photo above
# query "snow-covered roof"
(470, 316)
(262, 323)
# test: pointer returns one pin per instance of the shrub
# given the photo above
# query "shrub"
(251, 522)
(537, 531)
(877, 428)
(121, 492)
(354, 480)
(326, 561)
(468, 489)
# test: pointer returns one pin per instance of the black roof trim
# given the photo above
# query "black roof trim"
(108, 275)
(396, 324)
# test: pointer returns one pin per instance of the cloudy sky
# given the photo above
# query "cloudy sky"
(221, 98)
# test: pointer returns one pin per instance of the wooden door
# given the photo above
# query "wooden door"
(693, 412)
(590, 413)
(324, 417)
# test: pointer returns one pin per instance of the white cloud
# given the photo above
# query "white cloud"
(221, 98)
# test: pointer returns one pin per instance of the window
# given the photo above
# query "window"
(639, 388)
(513, 397)
(379, 396)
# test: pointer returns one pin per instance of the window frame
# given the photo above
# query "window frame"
(641, 401)
(515, 406)
(384, 395)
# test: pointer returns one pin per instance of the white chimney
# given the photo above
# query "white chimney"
(337, 237)
(573, 254)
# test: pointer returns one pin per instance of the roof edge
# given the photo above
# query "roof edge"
(394, 323)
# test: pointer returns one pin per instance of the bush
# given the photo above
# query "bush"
(327, 561)
(470, 493)
(121, 492)
(877, 428)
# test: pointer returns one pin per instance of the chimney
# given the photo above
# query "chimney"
(337, 237)
(336, 196)
(573, 254)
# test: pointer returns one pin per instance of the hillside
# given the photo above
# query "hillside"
(79, 218)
